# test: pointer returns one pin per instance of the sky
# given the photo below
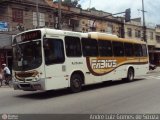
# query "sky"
(152, 8)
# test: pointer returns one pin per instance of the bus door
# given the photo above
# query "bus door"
(54, 63)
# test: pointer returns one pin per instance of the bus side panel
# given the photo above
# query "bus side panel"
(55, 76)
(116, 74)
(90, 76)
(74, 64)
(139, 71)
(143, 67)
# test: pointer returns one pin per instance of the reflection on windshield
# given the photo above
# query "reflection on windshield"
(30, 58)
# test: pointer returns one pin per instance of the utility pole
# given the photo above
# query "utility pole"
(37, 9)
(59, 14)
(89, 5)
(144, 24)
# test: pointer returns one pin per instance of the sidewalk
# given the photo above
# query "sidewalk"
(5, 89)
(4, 85)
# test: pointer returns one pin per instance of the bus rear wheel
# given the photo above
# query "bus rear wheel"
(76, 83)
(130, 75)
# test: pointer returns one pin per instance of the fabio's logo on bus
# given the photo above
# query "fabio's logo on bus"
(103, 64)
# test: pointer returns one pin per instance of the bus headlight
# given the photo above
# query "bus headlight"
(37, 77)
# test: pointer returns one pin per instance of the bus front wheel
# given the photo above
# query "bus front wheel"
(76, 83)
(130, 75)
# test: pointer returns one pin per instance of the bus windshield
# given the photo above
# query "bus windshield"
(27, 56)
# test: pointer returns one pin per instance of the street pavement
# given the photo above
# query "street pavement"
(139, 96)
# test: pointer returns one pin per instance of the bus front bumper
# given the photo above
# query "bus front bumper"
(29, 86)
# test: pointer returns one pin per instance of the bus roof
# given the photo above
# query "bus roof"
(64, 33)
(105, 36)
(94, 35)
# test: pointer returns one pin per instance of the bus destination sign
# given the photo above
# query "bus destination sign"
(28, 36)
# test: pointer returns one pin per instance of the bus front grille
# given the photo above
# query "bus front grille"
(25, 85)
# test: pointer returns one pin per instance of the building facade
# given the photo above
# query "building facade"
(134, 30)
(19, 15)
(157, 46)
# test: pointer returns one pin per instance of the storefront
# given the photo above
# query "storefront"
(154, 57)
(5, 49)
(157, 57)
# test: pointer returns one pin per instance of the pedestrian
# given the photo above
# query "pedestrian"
(6, 72)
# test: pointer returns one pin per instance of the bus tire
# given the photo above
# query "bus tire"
(130, 74)
(76, 83)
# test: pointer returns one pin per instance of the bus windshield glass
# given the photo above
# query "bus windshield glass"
(27, 55)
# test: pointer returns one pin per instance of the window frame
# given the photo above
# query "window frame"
(118, 49)
(105, 44)
(89, 53)
(129, 32)
(73, 39)
(57, 61)
(151, 35)
(17, 15)
(129, 48)
(144, 50)
(137, 33)
(140, 54)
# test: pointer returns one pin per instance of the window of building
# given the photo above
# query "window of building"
(137, 33)
(41, 19)
(17, 15)
(110, 28)
(129, 51)
(73, 46)
(118, 49)
(158, 39)
(90, 47)
(54, 51)
(105, 48)
(129, 32)
(138, 50)
(151, 36)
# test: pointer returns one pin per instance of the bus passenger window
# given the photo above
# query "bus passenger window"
(73, 46)
(54, 51)
(90, 47)
(128, 49)
(105, 48)
(138, 50)
(118, 49)
(144, 49)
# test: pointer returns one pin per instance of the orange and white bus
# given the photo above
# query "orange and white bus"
(46, 59)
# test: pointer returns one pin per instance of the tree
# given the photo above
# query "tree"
(71, 3)
(79, 6)
(93, 8)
